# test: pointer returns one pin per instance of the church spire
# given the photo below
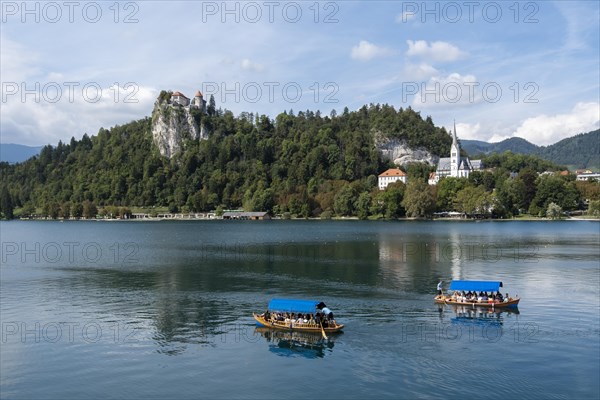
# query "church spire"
(454, 155)
(454, 138)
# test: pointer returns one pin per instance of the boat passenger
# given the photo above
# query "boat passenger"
(327, 313)
(439, 287)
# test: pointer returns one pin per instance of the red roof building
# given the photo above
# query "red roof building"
(390, 176)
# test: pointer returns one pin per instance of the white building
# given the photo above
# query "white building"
(588, 176)
(180, 98)
(390, 176)
(455, 165)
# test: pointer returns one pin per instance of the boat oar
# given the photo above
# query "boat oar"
(322, 330)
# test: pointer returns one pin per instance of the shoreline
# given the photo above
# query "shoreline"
(524, 219)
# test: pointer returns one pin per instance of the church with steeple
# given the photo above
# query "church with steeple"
(454, 166)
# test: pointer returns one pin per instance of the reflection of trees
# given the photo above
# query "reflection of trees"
(176, 300)
(182, 321)
(348, 261)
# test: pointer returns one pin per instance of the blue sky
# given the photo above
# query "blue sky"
(501, 69)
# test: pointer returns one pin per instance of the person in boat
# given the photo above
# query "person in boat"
(439, 288)
(327, 314)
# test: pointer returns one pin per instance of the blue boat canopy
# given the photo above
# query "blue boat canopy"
(291, 305)
(480, 286)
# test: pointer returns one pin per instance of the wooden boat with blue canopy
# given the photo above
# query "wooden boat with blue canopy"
(297, 315)
(460, 287)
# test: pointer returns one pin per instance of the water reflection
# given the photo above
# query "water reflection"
(296, 344)
(480, 315)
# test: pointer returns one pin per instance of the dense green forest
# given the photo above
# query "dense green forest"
(302, 165)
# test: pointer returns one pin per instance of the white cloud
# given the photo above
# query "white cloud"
(248, 65)
(436, 51)
(48, 117)
(419, 72)
(365, 51)
(17, 62)
(468, 131)
(448, 91)
(545, 130)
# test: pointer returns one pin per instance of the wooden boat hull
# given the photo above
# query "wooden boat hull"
(260, 321)
(507, 304)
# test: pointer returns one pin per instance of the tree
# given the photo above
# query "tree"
(53, 210)
(6, 204)
(554, 211)
(511, 195)
(392, 198)
(211, 109)
(65, 210)
(554, 189)
(447, 188)
(474, 201)
(594, 208)
(418, 199)
(28, 210)
(528, 178)
(343, 204)
(89, 210)
(362, 205)
(77, 210)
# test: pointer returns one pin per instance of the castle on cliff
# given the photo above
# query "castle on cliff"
(178, 98)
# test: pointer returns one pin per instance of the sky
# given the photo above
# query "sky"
(499, 69)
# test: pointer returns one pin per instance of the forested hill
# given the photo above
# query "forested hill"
(297, 163)
(580, 151)
(514, 144)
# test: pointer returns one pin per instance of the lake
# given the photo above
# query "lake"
(164, 309)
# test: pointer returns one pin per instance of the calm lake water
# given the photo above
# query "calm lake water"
(164, 309)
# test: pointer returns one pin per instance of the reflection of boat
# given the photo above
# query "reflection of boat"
(469, 311)
(477, 286)
(283, 307)
(292, 343)
(480, 316)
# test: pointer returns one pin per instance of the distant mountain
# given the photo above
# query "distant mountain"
(580, 151)
(515, 144)
(14, 153)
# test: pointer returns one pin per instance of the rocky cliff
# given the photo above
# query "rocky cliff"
(173, 125)
(400, 153)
